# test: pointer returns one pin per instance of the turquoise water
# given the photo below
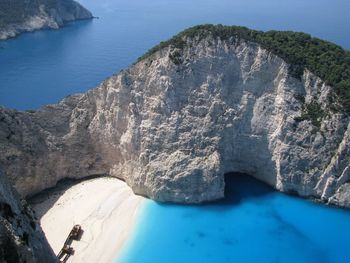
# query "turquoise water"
(253, 224)
(45, 66)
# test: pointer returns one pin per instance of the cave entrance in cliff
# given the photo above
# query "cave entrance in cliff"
(240, 186)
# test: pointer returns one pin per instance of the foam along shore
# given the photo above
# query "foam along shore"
(106, 209)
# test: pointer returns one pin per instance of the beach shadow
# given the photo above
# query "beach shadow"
(52, 195)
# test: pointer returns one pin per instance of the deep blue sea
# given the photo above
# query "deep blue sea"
(254, 223)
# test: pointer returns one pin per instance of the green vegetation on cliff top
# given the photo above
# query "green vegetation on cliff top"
(328, 61)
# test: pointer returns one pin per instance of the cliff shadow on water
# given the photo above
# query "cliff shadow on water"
(240, 187)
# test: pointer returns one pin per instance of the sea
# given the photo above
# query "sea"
(253, 223)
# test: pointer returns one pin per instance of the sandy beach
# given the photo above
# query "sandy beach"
(106, 208)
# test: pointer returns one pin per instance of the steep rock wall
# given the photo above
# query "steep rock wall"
(174, 123)
(21, 237)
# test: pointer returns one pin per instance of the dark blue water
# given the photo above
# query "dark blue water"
(45, 66)
(253, 224)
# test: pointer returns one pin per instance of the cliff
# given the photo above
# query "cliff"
(17, 16)
(175, 122)
(21, 237)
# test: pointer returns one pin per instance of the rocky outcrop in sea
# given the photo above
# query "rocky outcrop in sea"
(42, 14)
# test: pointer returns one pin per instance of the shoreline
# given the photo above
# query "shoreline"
(106, 208)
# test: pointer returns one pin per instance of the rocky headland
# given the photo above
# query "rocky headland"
(210, 101)
(18, 16)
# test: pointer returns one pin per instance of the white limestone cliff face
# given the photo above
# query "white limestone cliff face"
(46, 17)
(21, 237)
(172, 130)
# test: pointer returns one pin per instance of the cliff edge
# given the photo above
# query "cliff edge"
(18, 16)
(188, 112)
(21, 237)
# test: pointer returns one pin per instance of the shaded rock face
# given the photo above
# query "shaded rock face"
(46, 14)
(173, 124)
(21, 238)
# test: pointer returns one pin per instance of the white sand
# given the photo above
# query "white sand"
(106, 208)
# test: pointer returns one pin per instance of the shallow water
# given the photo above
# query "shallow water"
(45, 66)
(253, 224)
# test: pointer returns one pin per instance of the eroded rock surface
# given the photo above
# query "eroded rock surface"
(21, 237)
(174, 123)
